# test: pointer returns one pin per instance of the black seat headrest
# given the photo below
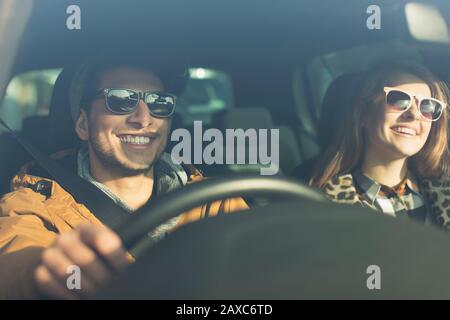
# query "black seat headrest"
(338, 97)
(61, 127)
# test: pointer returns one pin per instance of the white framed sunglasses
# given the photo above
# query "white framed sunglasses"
(399, 101)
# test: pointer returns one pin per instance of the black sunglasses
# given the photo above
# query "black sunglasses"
(123, 101)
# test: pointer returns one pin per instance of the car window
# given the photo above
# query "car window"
(29, 94)
(208, 91)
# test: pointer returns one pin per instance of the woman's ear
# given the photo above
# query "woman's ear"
(82, 126)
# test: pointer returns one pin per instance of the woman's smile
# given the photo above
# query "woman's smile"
(405, 131)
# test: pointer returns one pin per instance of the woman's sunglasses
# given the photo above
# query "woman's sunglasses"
(400, 101)
(125, 101)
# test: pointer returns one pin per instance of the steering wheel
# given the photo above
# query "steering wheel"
(278, 252)
(135, 229)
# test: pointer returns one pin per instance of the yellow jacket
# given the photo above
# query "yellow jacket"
(30, 222)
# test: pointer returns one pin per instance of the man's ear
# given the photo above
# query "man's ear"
(82, 126)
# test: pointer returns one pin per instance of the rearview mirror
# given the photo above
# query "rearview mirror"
(426, 23)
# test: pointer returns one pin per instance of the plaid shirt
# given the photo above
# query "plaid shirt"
(403, 200)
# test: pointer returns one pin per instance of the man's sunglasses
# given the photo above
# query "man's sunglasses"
(400, 101)
(125, 101)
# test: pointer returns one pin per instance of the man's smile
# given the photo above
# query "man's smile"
(139, 141)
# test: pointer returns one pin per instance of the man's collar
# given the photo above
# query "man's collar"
(83, 171)
(169, 176)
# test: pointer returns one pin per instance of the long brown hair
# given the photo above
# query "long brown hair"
(347, 149)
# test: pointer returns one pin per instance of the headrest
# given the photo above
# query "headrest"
(246, 118)
(61, 127)
(337, 98)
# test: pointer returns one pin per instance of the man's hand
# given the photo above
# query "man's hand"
(96, 250)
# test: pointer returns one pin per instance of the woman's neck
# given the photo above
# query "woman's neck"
(385, 171)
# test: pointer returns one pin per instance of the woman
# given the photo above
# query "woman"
(391, 151)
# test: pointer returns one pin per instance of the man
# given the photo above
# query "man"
(122, 115)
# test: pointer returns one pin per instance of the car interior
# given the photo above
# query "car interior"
(262, 65)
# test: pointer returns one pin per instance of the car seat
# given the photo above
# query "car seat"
(337, 97)
(260, 118)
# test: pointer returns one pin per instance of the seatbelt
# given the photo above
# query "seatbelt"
(102, 206)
